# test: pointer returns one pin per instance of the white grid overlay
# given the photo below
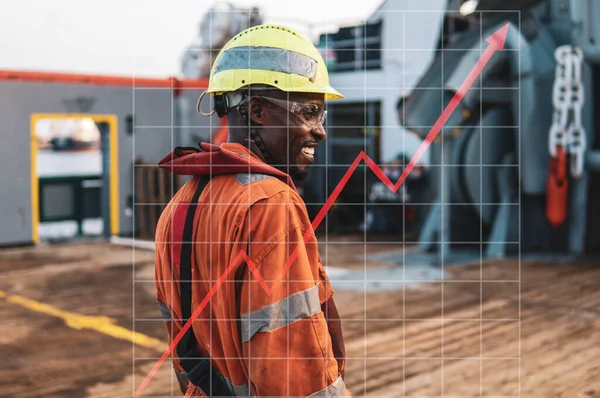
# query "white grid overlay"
(443, 168)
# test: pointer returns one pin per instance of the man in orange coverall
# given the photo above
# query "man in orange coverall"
(272, 331)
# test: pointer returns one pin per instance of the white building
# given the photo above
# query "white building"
(397, 53)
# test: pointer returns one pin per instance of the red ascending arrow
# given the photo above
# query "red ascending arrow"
(496, 43)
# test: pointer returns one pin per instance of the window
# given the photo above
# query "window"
(353, 48)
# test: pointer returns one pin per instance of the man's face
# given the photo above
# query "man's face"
(289, 138)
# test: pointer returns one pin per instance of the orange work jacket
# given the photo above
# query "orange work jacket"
(265, 343)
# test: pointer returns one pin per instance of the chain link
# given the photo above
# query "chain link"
(567, 98)
(560, 98)
(576, 132)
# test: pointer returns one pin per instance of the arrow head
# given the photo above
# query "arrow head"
(498, 38)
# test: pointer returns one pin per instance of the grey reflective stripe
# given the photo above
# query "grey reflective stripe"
(182, 378)
(242, 391)
(164, 311)
(267, 58)
(277, 315)
(229, 383)
(335, 389)
(248, 178)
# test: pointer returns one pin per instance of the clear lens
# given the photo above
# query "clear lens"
(311, 114)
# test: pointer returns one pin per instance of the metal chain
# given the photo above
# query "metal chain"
(560, 99)
(576, 133)
(567, 98)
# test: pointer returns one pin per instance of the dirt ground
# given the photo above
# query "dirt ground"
(471, 335)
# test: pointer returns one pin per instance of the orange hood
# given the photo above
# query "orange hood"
(227, 158)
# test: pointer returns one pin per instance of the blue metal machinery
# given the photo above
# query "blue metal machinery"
(492, 157)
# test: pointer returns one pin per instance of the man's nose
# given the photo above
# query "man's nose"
(319, 132)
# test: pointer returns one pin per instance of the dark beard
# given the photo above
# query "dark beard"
(298, 175)
(294, 172)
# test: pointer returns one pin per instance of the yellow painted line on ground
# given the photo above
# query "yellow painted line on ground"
(100, 324)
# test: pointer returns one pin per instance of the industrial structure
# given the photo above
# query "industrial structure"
(490, 166)
(518, 156)
(139, 119)
(515, 170)
(220, 23)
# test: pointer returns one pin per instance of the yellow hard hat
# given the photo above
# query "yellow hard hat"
(271, 55)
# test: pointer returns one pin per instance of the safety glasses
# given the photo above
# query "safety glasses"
(310, 114)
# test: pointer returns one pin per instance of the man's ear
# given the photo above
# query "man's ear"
(256, 110)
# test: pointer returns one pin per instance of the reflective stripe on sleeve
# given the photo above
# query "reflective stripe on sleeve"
(242, 391)
(334, 390)
(164, 311)
(280, 314)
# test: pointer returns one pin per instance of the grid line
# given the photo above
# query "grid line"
(442, 241)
